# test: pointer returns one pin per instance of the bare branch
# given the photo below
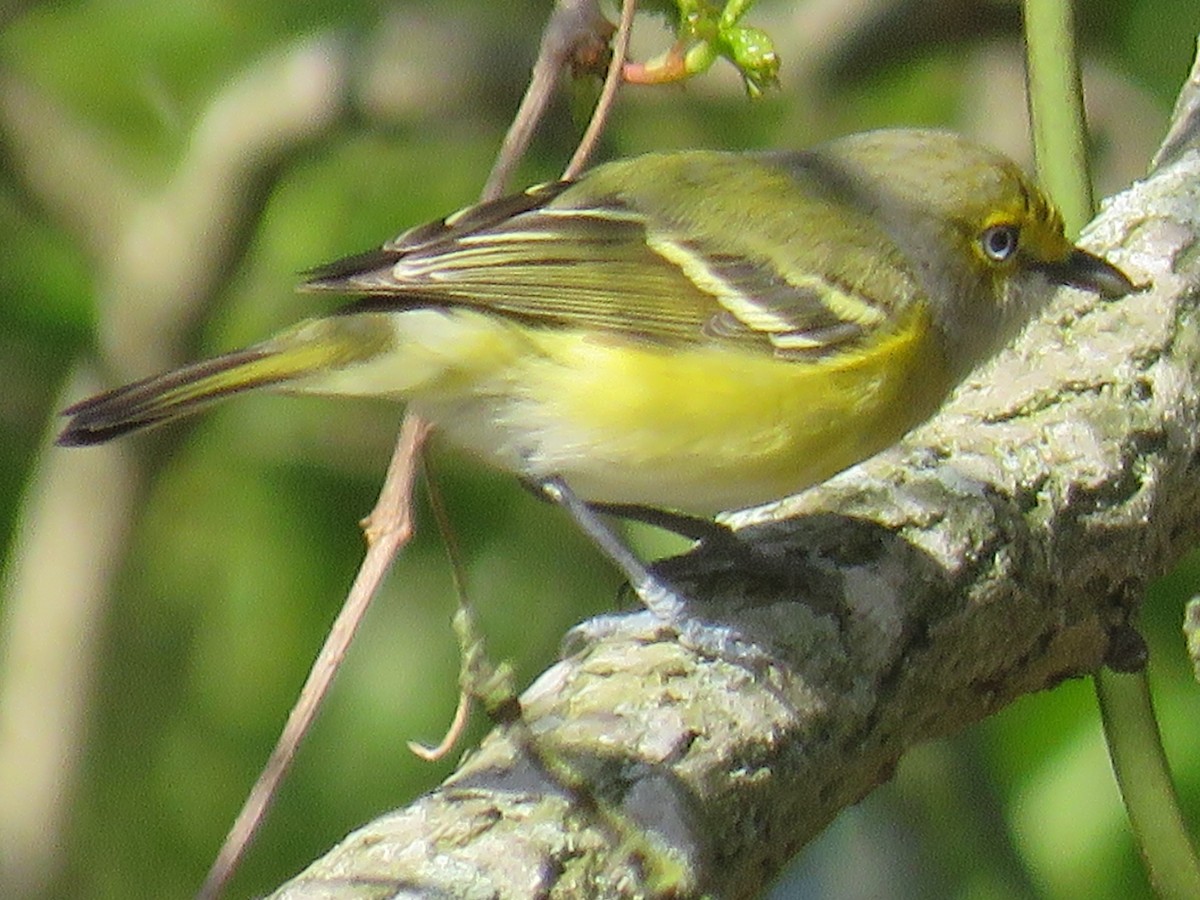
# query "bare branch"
(54, 596)
(574, 23)
(608, 94)
(388, 528)
(63, 167)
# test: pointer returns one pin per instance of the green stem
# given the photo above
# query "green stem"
(1136, 750)
(1056, 109)
(1134, 741)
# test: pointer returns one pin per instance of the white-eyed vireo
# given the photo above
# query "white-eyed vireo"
(695, 331)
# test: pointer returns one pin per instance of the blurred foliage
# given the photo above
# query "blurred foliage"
(245, 536)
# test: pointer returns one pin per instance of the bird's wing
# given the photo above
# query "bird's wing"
(594, 254)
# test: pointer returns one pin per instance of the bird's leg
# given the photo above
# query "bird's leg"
(694, 528)
(662, 600)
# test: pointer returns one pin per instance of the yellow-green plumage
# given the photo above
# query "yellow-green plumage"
(695, 330)
(713, 428)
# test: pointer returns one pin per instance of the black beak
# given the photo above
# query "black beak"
(1089, 272)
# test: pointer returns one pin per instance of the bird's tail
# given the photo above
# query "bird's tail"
(307, 351)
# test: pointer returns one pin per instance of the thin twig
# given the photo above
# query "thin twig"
(573, 24)
(462, 713)
(388, 528)
(458, 724)
(608, 94)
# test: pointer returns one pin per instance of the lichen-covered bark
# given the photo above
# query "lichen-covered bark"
(999, 549)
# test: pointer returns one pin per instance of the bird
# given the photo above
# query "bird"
(690, 331)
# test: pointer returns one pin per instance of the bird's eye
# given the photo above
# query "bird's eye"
(999, 242)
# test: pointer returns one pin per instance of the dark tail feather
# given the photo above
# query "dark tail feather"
(301, 355)
(165, 397)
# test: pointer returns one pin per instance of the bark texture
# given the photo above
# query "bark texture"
(1001, 548)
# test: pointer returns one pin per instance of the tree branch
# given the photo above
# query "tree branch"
(1001, 548)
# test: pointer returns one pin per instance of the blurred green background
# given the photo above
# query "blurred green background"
(167, 167)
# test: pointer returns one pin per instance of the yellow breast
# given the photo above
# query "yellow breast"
(696, 428)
